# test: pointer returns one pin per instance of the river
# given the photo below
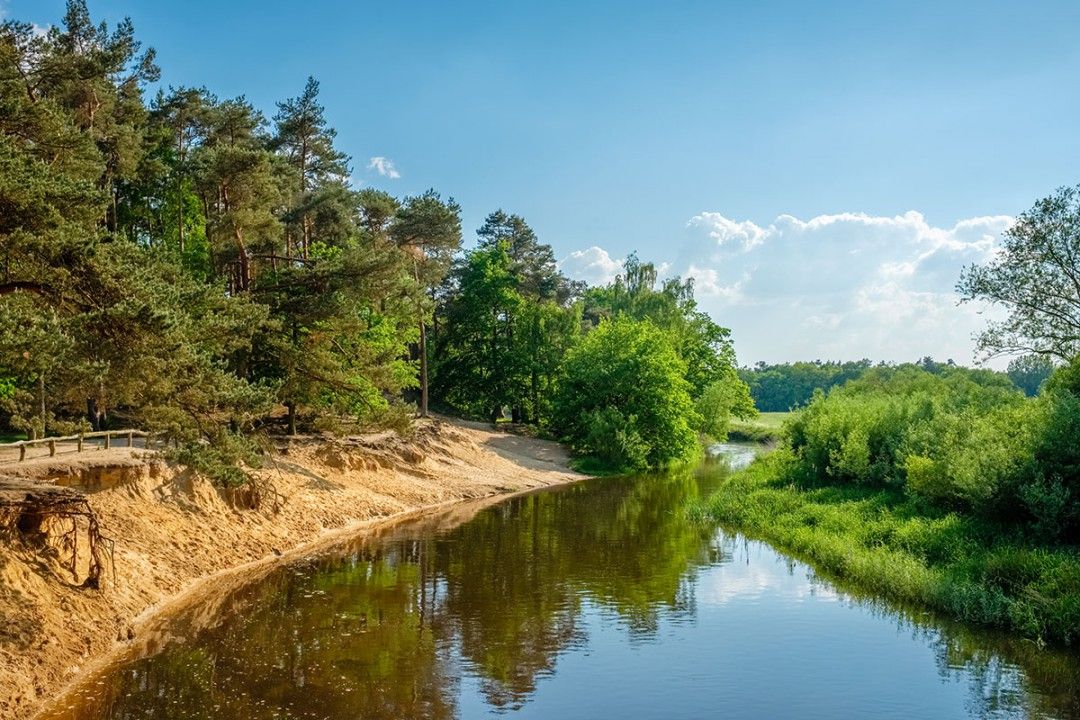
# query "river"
(595, 600)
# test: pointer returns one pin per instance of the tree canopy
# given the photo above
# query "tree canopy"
(1036, 278)
(183, 263)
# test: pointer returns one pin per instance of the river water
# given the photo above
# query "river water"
(595, 600)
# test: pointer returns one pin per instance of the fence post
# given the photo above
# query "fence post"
(108, 440)
(80, 442)
(22, 453)
(52, 448)
(130, 438)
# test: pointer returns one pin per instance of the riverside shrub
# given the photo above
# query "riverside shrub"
(625, 399)
(959, 441)
(892, 543)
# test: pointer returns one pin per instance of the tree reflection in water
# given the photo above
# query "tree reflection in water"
(391, 626)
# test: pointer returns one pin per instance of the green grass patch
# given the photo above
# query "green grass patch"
(772, 419)
(764, 428)
(885, 543)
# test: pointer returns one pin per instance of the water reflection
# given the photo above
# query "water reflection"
(595, 600)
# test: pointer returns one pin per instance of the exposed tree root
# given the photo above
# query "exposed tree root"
(33, 511)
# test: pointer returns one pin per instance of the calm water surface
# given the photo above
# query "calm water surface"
(598, 600)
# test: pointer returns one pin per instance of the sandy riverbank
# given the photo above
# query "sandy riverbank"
(176, 536)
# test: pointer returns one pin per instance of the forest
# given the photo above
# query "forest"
(206, 270)
(781, 387)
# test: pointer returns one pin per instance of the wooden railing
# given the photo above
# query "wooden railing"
(128, 436)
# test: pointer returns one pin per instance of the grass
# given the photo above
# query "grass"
(764, 428)
(773, 419)
(884, 543)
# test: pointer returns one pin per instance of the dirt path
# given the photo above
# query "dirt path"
(177, 537)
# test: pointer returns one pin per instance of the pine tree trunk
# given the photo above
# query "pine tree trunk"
(423, 370)
(41, 390)
(180, 189)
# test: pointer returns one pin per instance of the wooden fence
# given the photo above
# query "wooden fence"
(126, 436)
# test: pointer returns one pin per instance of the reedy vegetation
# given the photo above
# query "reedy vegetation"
(183, 265)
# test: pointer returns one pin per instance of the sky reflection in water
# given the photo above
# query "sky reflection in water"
(595, 600)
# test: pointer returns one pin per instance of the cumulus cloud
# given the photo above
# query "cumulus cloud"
(593, 265)
(707, 283)
(384, 166)
(726, 232)
(839, 286)
(845, 285)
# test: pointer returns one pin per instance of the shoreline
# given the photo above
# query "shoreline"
(150, 625)
(445, 466)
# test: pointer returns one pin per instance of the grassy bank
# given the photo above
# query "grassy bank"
(764, 428)
(889, 544)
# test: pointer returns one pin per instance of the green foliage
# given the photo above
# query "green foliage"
(503, 326)
(181, 264)
(532, 263)
(1035, 278)
(704, 346)
(479, 369)
(221, 458)
(721, 401)
(625, 397)
(961, 441)
(894, 546)
(1029, 372)
(613, 438)
(781, 387)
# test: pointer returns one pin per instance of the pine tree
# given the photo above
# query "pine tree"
(429, 230)
(239, 190)
(305, 140)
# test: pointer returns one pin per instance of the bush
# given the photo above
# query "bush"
(719, 401)
(959, 441)
(614, 439)
(221, 458)
(625, 398)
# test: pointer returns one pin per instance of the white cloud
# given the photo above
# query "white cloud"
(707, 283)
(846, 285)
(840, 286)
(725, 231)
(593, 265)
(5, 14)
(384, 166)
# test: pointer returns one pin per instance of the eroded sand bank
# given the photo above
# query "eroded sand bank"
(176, 536)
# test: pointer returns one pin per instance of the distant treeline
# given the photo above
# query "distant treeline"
(785, 386)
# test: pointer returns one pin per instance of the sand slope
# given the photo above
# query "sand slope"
(173, 531)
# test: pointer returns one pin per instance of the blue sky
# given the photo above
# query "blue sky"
(659, 127)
